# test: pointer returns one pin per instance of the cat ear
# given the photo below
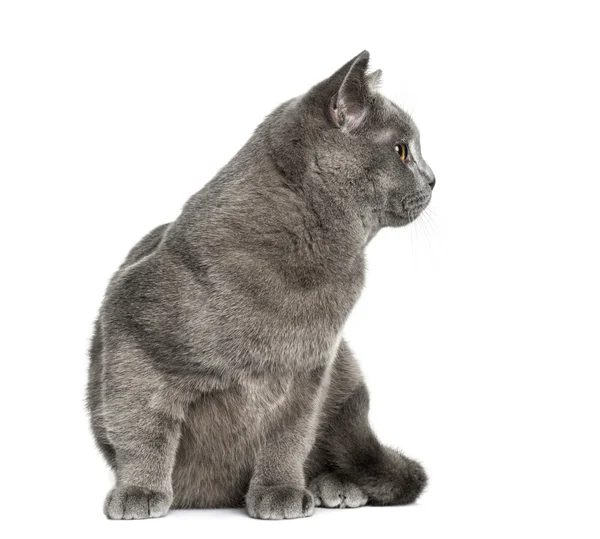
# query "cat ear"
(374, 80)
(348, 106)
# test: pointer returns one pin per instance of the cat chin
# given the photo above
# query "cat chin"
(397, 221)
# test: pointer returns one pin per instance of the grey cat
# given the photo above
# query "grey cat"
(218, 373)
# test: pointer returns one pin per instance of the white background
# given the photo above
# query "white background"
(478, 327)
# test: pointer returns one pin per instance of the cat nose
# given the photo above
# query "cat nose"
(431, 182)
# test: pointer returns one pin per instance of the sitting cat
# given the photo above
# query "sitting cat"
(218, 373)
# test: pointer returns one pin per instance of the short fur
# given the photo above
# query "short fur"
(218, 375)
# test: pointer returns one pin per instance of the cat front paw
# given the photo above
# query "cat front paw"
(279, 502)
(132, 503)
(331, 491)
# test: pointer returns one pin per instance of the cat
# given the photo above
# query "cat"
(218, 374)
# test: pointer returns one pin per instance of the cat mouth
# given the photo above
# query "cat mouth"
(414, 204)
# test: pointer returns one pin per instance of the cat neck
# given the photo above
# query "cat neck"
(252, 208)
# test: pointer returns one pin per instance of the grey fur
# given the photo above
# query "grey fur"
(218, 376)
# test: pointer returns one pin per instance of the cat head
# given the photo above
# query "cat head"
(354, 146)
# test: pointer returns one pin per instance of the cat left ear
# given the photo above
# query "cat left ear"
(374, 80)
(348, 106)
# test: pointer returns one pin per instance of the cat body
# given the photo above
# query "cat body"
(218, 374)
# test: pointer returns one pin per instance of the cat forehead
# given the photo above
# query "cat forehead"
(389, 121)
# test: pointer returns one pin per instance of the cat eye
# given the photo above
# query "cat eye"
(402, 150)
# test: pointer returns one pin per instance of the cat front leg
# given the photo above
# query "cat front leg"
(277, 489)
(143, 425)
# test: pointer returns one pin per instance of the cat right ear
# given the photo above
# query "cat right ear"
(348, 106)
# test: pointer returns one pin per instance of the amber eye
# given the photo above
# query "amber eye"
(402, 151)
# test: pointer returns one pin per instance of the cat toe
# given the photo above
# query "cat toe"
(133, 503)
(331, 491)
(279, 502)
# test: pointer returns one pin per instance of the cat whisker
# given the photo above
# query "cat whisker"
(429, 222)
(425, 228)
